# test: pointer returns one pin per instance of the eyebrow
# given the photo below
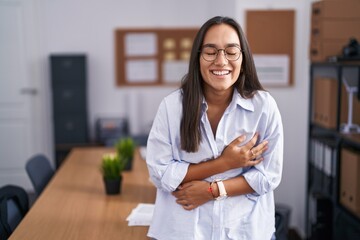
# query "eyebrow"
(227, 45)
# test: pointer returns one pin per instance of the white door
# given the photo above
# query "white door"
(20, 135)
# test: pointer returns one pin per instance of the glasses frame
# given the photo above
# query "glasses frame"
(217, 53)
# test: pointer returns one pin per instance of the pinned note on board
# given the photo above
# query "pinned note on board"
(154, 56)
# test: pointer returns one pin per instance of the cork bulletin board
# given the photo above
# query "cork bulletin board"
(270, 34)
(146, 57)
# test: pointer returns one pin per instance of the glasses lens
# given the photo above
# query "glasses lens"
(232, 53)
(209, 53)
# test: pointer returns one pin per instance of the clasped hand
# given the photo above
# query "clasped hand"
(236, 156)
(193, 194)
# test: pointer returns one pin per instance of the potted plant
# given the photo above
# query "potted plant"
(112, 166)
(125, 147)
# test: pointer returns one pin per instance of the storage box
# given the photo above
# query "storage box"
(335, 29)
(350, 180)
(336, 9)
(329, 37)
(321, 50)
(333, 24)
(325, 102)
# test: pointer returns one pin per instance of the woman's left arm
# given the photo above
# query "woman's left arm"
(266, 176)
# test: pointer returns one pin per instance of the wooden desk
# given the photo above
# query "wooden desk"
(74, 204)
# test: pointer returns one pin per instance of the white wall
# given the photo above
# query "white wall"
(87, 26)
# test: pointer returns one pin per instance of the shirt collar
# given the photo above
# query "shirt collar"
(237, 100)
(204, 106)
(245, 103)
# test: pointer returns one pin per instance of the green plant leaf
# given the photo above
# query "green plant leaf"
(125, 147)
(112, 165)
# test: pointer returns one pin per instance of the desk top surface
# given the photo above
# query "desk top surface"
(74, 204)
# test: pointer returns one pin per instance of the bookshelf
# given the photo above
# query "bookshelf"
(333, 180)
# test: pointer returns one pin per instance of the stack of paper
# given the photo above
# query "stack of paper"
(143, 152)
(141, 215)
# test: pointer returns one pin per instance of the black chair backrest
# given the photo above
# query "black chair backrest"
(14, 204)
(40, 172)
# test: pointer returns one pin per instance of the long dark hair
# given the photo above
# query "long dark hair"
(192, 84)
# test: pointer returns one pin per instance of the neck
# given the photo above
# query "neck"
(219, 98)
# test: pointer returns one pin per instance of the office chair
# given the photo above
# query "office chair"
(40, 172)
(14, 204)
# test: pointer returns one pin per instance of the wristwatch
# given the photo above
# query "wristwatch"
(222, 190)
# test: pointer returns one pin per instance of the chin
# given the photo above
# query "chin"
(222, 88)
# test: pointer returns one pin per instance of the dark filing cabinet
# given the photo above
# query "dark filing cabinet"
(70, 121)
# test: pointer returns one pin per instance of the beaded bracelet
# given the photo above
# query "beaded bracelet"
(210, 189)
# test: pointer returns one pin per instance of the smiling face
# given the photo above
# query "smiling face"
(221, 74)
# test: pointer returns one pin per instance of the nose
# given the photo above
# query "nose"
(221, 60)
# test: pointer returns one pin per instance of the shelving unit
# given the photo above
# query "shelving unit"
(327, 217)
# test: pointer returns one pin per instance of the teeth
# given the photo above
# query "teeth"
(220, 73)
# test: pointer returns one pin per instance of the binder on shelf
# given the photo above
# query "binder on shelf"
(323, 160)
(325, 102)
(350, 180)
(323, 157)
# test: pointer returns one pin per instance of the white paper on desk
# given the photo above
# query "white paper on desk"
(143, 152)
(141, 215)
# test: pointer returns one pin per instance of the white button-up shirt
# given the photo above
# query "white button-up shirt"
(247, 217)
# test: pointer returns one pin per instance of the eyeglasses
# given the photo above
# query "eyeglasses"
(232, 53)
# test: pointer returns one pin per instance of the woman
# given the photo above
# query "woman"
(216, 145)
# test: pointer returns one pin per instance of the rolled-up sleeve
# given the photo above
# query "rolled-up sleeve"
(266, 176)
(166, 172)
